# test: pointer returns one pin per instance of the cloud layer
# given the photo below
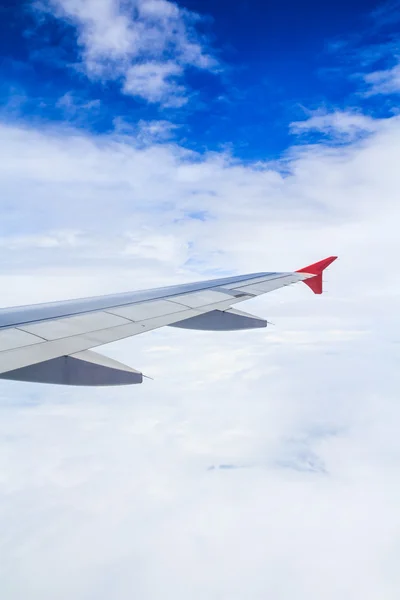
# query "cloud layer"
(110, 492)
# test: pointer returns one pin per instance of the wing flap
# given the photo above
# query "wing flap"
(203, 298)
(46, 350)
(147, 310)
(15, 338)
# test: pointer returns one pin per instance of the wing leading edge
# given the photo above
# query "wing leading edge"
(50, 343)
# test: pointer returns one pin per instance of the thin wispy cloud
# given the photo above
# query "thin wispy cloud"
(370, 56)
(337, 125)
(384, 82)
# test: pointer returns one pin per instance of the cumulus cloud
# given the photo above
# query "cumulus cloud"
(146, 44)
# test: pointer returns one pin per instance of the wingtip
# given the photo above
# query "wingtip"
(315, 283)
(318, 267)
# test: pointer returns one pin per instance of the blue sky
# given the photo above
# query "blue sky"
(270, 64)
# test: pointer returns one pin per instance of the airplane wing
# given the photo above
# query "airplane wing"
(51, 343)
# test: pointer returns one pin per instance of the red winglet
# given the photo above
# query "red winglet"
(315, 283)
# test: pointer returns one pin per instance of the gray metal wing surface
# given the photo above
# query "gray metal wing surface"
(51, 343)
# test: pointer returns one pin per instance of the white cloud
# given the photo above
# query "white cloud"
(345, 125)
(146, 44)
(58, 239)
(145, 132)
(384, 82)
(156, 82)
(108, 493)
(72, 106)
(156, 130)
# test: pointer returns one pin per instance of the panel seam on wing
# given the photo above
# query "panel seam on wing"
(109, 312)
(30, 333)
